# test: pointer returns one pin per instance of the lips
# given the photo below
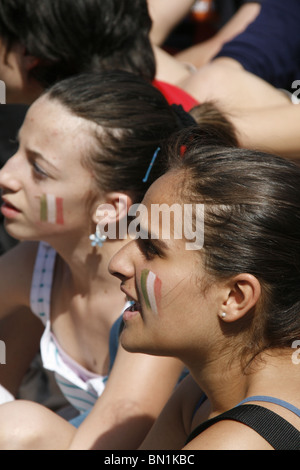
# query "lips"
(8, 204)
(131, 311)
(8, 209)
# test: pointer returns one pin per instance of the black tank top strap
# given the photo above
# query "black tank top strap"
(278, 432)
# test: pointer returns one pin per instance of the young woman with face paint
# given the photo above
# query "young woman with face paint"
(229, 311)
(87, 141)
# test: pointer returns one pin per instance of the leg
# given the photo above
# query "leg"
(30, 426)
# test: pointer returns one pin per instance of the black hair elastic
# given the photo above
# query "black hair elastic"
(184, 118)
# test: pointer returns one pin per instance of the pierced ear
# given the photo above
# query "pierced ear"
(243, 293)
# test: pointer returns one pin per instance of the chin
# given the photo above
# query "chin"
(20, 235)
(131, 346)
(134, 343)
(131, 342)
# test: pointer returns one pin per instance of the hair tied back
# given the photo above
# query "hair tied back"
(184, 118)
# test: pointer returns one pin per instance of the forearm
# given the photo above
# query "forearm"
(136, 391)
(245, 15)
(269, 47)
(166, 14)
(275, 130)
(201, 53)
(169, 69)
(118, 426)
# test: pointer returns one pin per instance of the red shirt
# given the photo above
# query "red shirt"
(175, 95)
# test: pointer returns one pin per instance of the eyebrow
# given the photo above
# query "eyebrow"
(160, 243)
(147, 235)
(37, 154)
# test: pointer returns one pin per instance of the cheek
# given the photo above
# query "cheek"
(151, 286)
(161, 296)
(51, 209)
(47, 213)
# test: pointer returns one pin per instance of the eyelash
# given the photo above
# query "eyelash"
(149, 249)
(38, 172)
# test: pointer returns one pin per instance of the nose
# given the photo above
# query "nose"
(121, 264)
(9, 175)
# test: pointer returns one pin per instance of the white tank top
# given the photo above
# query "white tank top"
(80, 386)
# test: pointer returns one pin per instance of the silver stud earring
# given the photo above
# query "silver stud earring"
(223, 315)
(97, 239)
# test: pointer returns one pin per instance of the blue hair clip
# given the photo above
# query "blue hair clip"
(151, 164)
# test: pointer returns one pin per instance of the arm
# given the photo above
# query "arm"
(169, 69)
(20, 330)
(225, 82)
(263, 116)
(274, 130)
(269, 47)
(166, 14)
(138, 388)
(175, 69)
(173, 425)
(202, 53)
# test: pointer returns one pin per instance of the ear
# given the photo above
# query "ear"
(19, 59)
(23, 62)
(28, 61)
(113, 209)
(243, 292)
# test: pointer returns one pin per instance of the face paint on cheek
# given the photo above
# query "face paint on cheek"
(51, 209)
(151, 289)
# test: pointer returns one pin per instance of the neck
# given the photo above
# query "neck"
(27, 95)
(87, 266)
(226, 382)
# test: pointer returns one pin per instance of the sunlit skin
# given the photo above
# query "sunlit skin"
(54, 146)
(51, 209)
(49, 161)
(190, 326)
(179, 271)
(45, 165)
(151, 288)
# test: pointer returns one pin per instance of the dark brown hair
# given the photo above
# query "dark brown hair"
(252, 225)
(77, 36)
(133, 119)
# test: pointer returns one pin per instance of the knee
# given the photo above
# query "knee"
(25, 425)
(20, 425)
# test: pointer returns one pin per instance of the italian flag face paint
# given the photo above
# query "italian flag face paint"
(51, 209)
(151, 289)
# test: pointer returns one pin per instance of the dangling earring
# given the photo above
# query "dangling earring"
(97, 239)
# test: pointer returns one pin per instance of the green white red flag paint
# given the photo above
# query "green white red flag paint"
(51, 209)
(151, 289)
